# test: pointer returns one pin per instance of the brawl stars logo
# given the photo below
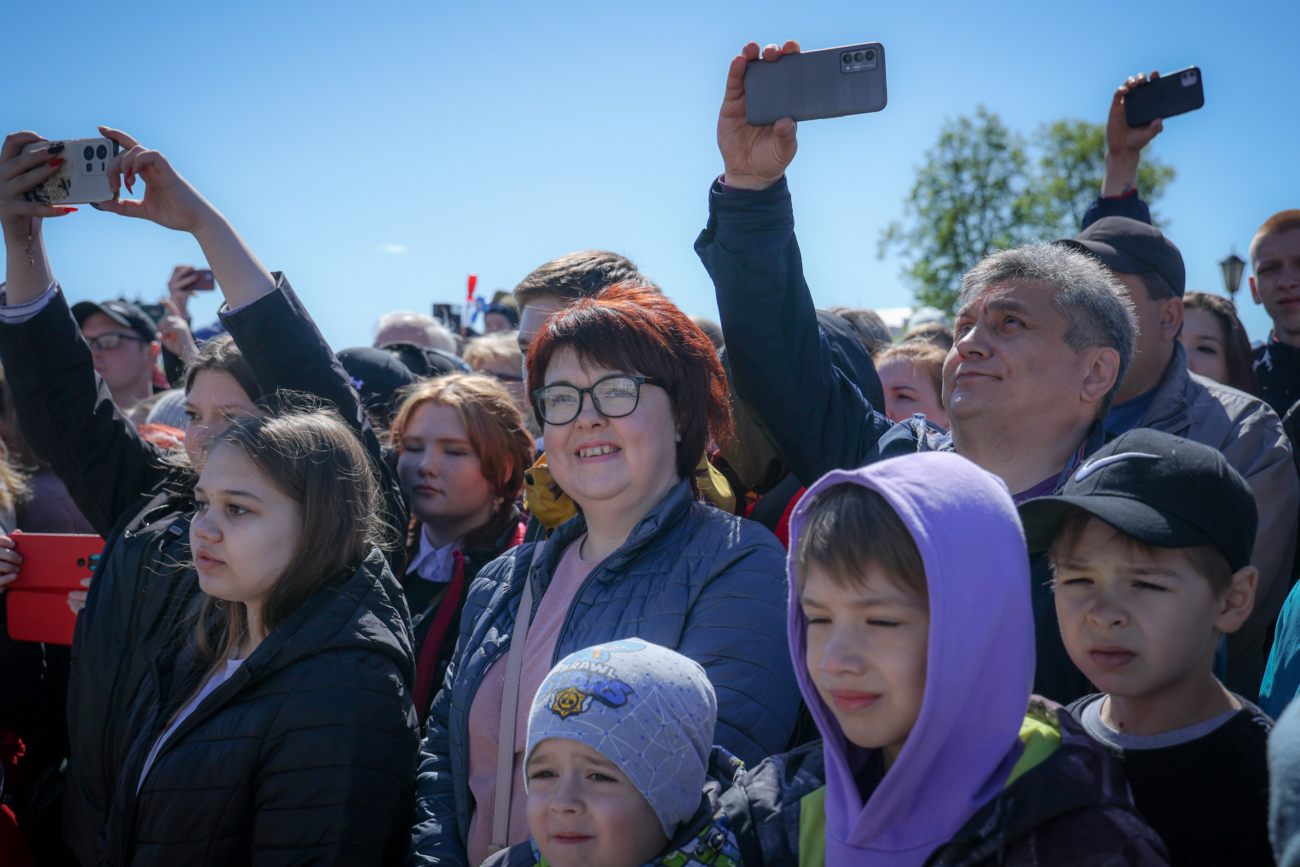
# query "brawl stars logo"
(585, 677)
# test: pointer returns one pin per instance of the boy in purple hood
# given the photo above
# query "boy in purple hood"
(913, 641)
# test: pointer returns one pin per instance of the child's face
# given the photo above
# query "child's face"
(584, 812)
(1138, 622)
(867, 649)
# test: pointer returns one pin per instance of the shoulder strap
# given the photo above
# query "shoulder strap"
(509, 709)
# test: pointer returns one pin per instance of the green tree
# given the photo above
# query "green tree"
(970, 197)
(979, 191)
(1072, 160)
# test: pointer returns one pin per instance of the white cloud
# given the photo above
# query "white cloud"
(395, 249)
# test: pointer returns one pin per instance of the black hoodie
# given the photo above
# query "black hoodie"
(306, 754)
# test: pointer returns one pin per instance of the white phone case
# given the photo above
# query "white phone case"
(82, 178)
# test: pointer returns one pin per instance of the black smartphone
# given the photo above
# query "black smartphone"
(204, 282)
(449, 315)
(829, 82)
(1176, 93)
(154, 311)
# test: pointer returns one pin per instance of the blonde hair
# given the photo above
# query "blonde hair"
(500, 346)
(492, 420)
(923, 354)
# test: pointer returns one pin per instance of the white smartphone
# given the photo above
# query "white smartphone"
(82, 178)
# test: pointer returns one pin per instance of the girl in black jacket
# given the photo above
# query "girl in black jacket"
(282, 730)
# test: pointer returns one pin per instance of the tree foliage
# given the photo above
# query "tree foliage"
(981, 189)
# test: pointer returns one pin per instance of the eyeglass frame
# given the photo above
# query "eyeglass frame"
(95, 345)
(639, 380)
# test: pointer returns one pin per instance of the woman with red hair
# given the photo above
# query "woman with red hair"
(629, 393)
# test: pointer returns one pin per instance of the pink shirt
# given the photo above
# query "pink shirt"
(485, 710)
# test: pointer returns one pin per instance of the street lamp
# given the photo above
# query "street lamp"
(1232, 268)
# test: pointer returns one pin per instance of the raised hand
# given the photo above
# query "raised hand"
(1124, 143)
(181, 287)
(169, 200)
(755, 157)
(175, 335)
(20, 173)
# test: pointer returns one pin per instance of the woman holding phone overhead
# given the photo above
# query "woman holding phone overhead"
(629, 392)
(139, 501)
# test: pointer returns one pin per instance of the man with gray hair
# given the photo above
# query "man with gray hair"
(1044, 335)
(406, 326)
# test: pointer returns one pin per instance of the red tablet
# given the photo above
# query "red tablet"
(53, 566)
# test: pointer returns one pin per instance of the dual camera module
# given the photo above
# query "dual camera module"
(91, 153)
(857, 60)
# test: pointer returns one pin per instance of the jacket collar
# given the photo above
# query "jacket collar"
(1170, 409)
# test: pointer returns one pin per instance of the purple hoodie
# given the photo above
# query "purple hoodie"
(979, 672)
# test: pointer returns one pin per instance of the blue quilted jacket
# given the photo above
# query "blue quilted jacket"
(690, 577)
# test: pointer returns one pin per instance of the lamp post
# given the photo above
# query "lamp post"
(1232, 268)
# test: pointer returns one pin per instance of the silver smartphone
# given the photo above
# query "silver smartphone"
(829, 82)
(82, 178)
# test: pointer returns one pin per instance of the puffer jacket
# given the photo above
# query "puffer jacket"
(140, 503)
(704, 840)
(306, 754)
(690, 577)
(1252, 438)
(1066, 805)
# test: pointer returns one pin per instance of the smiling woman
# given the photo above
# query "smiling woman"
(629, 394)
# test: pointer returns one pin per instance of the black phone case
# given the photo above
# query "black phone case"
(1176, 93)
(813, 85)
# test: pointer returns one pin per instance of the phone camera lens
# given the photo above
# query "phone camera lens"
(857, 56)
(847, 58)
(90, 167)
(871, 54)
(89, 152)
(101, 151)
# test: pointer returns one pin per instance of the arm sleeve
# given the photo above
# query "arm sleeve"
(68, 415)
(814, 415)
(736, 631)
(1130, 206)
(334, 784)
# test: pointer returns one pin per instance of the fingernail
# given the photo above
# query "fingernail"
(57, 162)
(68, 210)
(54, 149)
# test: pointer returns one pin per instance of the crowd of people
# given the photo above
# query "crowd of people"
(608, 585)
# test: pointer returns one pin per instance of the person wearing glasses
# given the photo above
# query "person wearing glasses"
(629, 393)
(124, 342)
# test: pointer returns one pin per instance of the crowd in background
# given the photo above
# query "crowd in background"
(608, 585)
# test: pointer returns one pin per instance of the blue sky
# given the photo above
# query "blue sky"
(491, 137)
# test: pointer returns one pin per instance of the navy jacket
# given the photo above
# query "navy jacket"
(690, 577)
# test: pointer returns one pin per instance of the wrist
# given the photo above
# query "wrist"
(1121, 173)
(740, 181)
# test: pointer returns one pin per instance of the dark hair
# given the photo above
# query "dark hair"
(932, 332)
(1236, 344)
(636, 330)
(579, 275)
(1206, 560)
(1158, 288)
(848, 527)
(867, 324)
(222, 355)
(318, 462)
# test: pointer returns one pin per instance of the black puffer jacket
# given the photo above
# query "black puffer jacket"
(306, 754)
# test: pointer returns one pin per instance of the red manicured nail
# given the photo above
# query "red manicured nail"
(57, 162)
(69, 210)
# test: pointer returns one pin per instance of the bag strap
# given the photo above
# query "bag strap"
(509, 710)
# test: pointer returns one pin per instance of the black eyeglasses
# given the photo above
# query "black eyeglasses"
(614, 397)
(109, 342)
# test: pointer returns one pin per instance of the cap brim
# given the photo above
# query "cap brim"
(1043, 516)
(1112, 258)
(83, 310)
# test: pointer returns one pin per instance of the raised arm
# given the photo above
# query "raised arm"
(816, 417)
(1119, 193)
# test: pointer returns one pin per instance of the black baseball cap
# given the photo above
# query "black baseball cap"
(1160, 489)
(1130, 246)
(378, 376)
(124, 313)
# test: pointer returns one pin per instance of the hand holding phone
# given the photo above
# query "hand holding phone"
(41, 605)
(810, 85)
(82, 175)
(1157, 98)
(755, 157)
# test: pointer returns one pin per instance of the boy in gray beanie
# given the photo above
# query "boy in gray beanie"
(618, 761)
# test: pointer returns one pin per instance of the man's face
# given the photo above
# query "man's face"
(534, 316)
(1276, 284)
(126, 364)
(1158, 324)
(1010, 360)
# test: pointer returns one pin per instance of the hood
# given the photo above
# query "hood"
(366, 611)
(852, 357)
(980, 668)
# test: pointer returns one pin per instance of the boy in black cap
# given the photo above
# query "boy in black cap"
(1150, 544)
(124, 342)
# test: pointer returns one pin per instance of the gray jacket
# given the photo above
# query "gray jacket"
(690, 577)
(1251, 437)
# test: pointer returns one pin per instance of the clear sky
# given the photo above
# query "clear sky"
(378, 153)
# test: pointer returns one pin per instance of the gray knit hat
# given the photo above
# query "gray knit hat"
(648, 709)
